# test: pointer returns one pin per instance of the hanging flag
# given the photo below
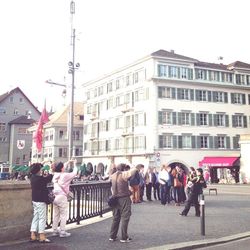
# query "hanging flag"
(38, 136)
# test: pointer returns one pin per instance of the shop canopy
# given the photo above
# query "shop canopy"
(219, 162)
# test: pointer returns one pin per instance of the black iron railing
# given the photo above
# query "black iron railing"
(90, 201)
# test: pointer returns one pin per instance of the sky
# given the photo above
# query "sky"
(36, 45)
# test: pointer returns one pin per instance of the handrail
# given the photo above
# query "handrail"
(90, 201)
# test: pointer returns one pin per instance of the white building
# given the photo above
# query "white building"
(55, 136)
(167, 108)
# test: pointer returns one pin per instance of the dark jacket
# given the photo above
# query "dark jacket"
(135, 179)
(39, 187)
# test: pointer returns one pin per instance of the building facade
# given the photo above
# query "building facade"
(55, 138)
(166, 108)
(17, 113)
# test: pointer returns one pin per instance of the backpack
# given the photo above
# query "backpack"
(135, 179)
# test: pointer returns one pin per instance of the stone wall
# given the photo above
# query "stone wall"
(15, 210)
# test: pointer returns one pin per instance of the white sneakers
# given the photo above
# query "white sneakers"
(61, 234)
(64, 234)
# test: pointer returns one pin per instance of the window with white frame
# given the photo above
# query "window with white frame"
(185, 118)
(226, 77)
(11, 99)
(220, 120)
(110, 103)
(214, 76)
(88, 95)
(118, 122)
(63, 152)
(100, 90)
(162, 70)
(238, 98)
(16, 112)
(203, 119)
(136, 77)
(221, 141)
(166, 141)
(184, 73)
(202, 95)
(164, 92)
(109, 87)
(140, 142)
(2, 126)
(186, 141)
(128, 80)
(238, 121)
(219, 96)
(128, 121)
(173, 72)
(139, 119)
(2, 111)
(201, 74)
(76, 135)
(184, 94)
(240, 79)
(204, 141)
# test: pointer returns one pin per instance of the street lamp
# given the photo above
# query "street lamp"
(72, 68)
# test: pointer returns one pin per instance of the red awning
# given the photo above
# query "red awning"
(219, 162)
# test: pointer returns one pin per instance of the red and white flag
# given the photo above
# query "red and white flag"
(38, 136)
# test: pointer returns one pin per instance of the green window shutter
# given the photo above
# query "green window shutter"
(209, 96)
(192, 119)
(213, 96)
(210, 119)
(190, 74)
(160, 141)
(174, 118)
(227, 120)
(193, 141)
(215, 120)
(160, 114)
(245, 121)
(159, 70)
(179, 141)
(197, 95)
(179, 118)
(236, 142)
(191, 94)
(215, 142)
(178, 93)
(178, 72)
(173, 93)
(198, 119)
(211, 142)
(225, 97)
(174, 141)
(233, 121)
(198, 142)
(232, 97)
(159, 92)
(243, 99)
(228, 146)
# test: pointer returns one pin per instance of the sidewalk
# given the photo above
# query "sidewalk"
(153, 226)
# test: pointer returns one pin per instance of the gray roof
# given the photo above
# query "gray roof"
(22, 120)
(172, 54)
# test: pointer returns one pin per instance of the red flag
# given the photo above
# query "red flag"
(38, 136)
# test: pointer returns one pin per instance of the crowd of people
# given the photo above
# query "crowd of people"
(130, 185)
(169, 185)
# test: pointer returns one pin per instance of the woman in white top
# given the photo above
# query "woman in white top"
(61, 182)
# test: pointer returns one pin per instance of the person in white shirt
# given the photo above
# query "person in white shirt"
(164, 184)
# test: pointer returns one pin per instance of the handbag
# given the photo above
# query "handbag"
(70, 195)
(51, 197)
(113, 199)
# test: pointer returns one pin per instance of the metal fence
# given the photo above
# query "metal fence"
(90, 200)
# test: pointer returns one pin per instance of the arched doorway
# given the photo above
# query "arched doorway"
(179, 164)
(89, 168)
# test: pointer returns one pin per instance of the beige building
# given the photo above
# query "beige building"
(55, 137)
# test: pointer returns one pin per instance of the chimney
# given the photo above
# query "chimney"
(172, 51)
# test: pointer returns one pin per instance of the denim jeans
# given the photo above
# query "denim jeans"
(39, 217)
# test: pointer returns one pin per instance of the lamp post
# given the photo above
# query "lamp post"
(72, 68)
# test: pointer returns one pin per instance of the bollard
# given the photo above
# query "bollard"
(202, 208)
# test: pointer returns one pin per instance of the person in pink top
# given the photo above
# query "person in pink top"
(61, 182)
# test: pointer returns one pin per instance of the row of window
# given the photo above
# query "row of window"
(15, 111)
(201, 141)
(135, 143)
(62, 152)
(118, 101)
(176, 72)
(169, 117)
(119, 83)
(62, 135)
(201, 95)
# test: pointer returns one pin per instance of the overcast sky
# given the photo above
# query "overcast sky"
(35, 38)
